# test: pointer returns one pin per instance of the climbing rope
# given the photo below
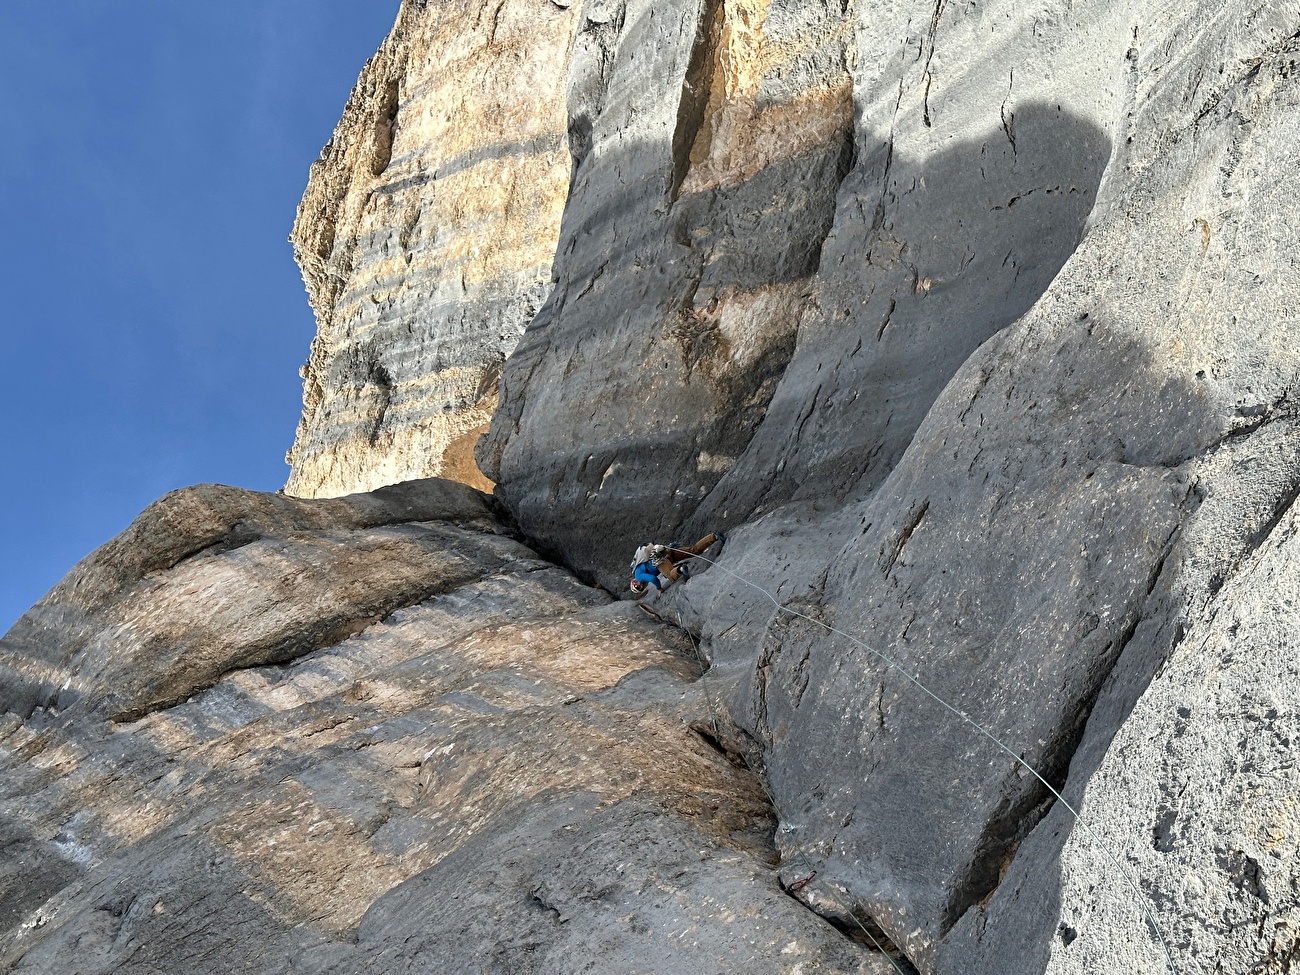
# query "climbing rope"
(805, 863)
(1141, 899)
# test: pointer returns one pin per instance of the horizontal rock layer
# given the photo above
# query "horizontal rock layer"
(495, 776)
(425, 238)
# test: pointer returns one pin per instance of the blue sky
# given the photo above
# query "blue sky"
(152, 320)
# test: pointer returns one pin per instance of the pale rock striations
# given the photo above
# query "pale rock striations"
(493, 773)
(425, 239)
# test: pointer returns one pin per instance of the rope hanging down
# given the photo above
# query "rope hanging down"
(1140, 898)
(803, 857)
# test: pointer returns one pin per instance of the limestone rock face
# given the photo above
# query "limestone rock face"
(425, 239)
(972, 325)
(1033, 413)
(497, 775)
(716, 137)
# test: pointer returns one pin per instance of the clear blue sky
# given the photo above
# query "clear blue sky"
(152, 319)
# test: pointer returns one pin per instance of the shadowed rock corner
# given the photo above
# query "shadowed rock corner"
(927, 259)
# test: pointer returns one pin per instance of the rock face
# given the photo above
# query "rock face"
(702, 195)
(1034, 413)
(497, 776)
(425, 239)
(970, 323)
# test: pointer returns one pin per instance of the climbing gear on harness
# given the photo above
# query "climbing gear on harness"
(646, 553)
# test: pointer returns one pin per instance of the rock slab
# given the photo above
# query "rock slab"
(494, 772)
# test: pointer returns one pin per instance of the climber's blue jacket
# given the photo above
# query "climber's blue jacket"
(647, 572)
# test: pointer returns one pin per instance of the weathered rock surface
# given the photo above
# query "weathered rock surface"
(495, 776)
(1036, 407)
(1196, 794)
(717, 137)
(972, 323)
(425, 239)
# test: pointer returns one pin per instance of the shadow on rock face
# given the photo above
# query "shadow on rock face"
(778, 337)
(678, 298)
(928, 259)
(1023, 561)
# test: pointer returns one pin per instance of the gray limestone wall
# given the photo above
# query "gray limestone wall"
(1037, 409)
(972, 324)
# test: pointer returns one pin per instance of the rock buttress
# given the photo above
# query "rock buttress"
(425, 238)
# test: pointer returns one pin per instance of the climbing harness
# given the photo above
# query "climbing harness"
(1140, 897)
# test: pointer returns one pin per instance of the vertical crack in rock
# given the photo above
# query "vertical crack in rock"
(381, 381)
(926, 73)
(385, 127)
(905, 535)
(1009, 118)
(889, 316)
(697, 89)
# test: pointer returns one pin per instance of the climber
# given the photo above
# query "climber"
(653, 563)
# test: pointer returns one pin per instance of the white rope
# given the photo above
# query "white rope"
(807, 865)
(1141, 898)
